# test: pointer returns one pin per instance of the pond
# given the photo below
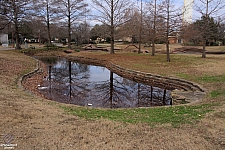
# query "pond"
(95, 86)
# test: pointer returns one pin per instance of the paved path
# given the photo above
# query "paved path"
(6, 48)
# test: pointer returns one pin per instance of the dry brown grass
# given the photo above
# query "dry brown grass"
(188, 64)
(161, 48)
(37, 123)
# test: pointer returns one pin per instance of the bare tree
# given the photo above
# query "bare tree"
(189, 34)
(221, 34)
(45, 10)
(172, 17)
(14, 12)
(3, 20)
(208, 9)
(155, 24)
(82, 33)
(131, 28)
(154, 28)
(71, 11)
(140, 28)
(167, 29)
(112, 13)
(99, 31)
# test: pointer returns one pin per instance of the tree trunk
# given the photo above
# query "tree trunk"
(48, 25)
(17, 35)
(112, 28)
(153, 47)
(69, 25)
(111, 89)
(206, 26)
(15, 15)
(203, 51)
(167, 50)
(69, 34)
(154, 31)
(140, 33)
(112, 41)
(164, 97)
(49, 35)
(167, 31)
(13, 42)
(70, 77)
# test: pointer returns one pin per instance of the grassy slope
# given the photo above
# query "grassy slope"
(188, 67)
(208, 72)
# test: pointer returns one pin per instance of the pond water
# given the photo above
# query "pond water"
(94, 86)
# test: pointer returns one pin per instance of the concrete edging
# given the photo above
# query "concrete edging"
(25, 76)
(183, 91)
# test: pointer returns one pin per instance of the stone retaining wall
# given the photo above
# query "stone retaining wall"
(183, 91)
(28, 75)
(168, 83)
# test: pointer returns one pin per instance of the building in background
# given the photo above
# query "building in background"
(4, 40)
(188, 11)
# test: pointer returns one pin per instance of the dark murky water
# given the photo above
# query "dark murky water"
(94, 86)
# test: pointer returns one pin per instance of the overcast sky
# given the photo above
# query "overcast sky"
(177, 3)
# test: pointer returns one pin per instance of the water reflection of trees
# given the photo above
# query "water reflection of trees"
(121, 92)
(112, 93)
(68, 82)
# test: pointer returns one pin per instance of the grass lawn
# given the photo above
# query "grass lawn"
(40, 123)
(205, 72)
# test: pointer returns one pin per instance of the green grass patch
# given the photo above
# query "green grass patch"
(176, 115)
(184, 76)
(211, 79)
(217, 93)
(160, 59)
